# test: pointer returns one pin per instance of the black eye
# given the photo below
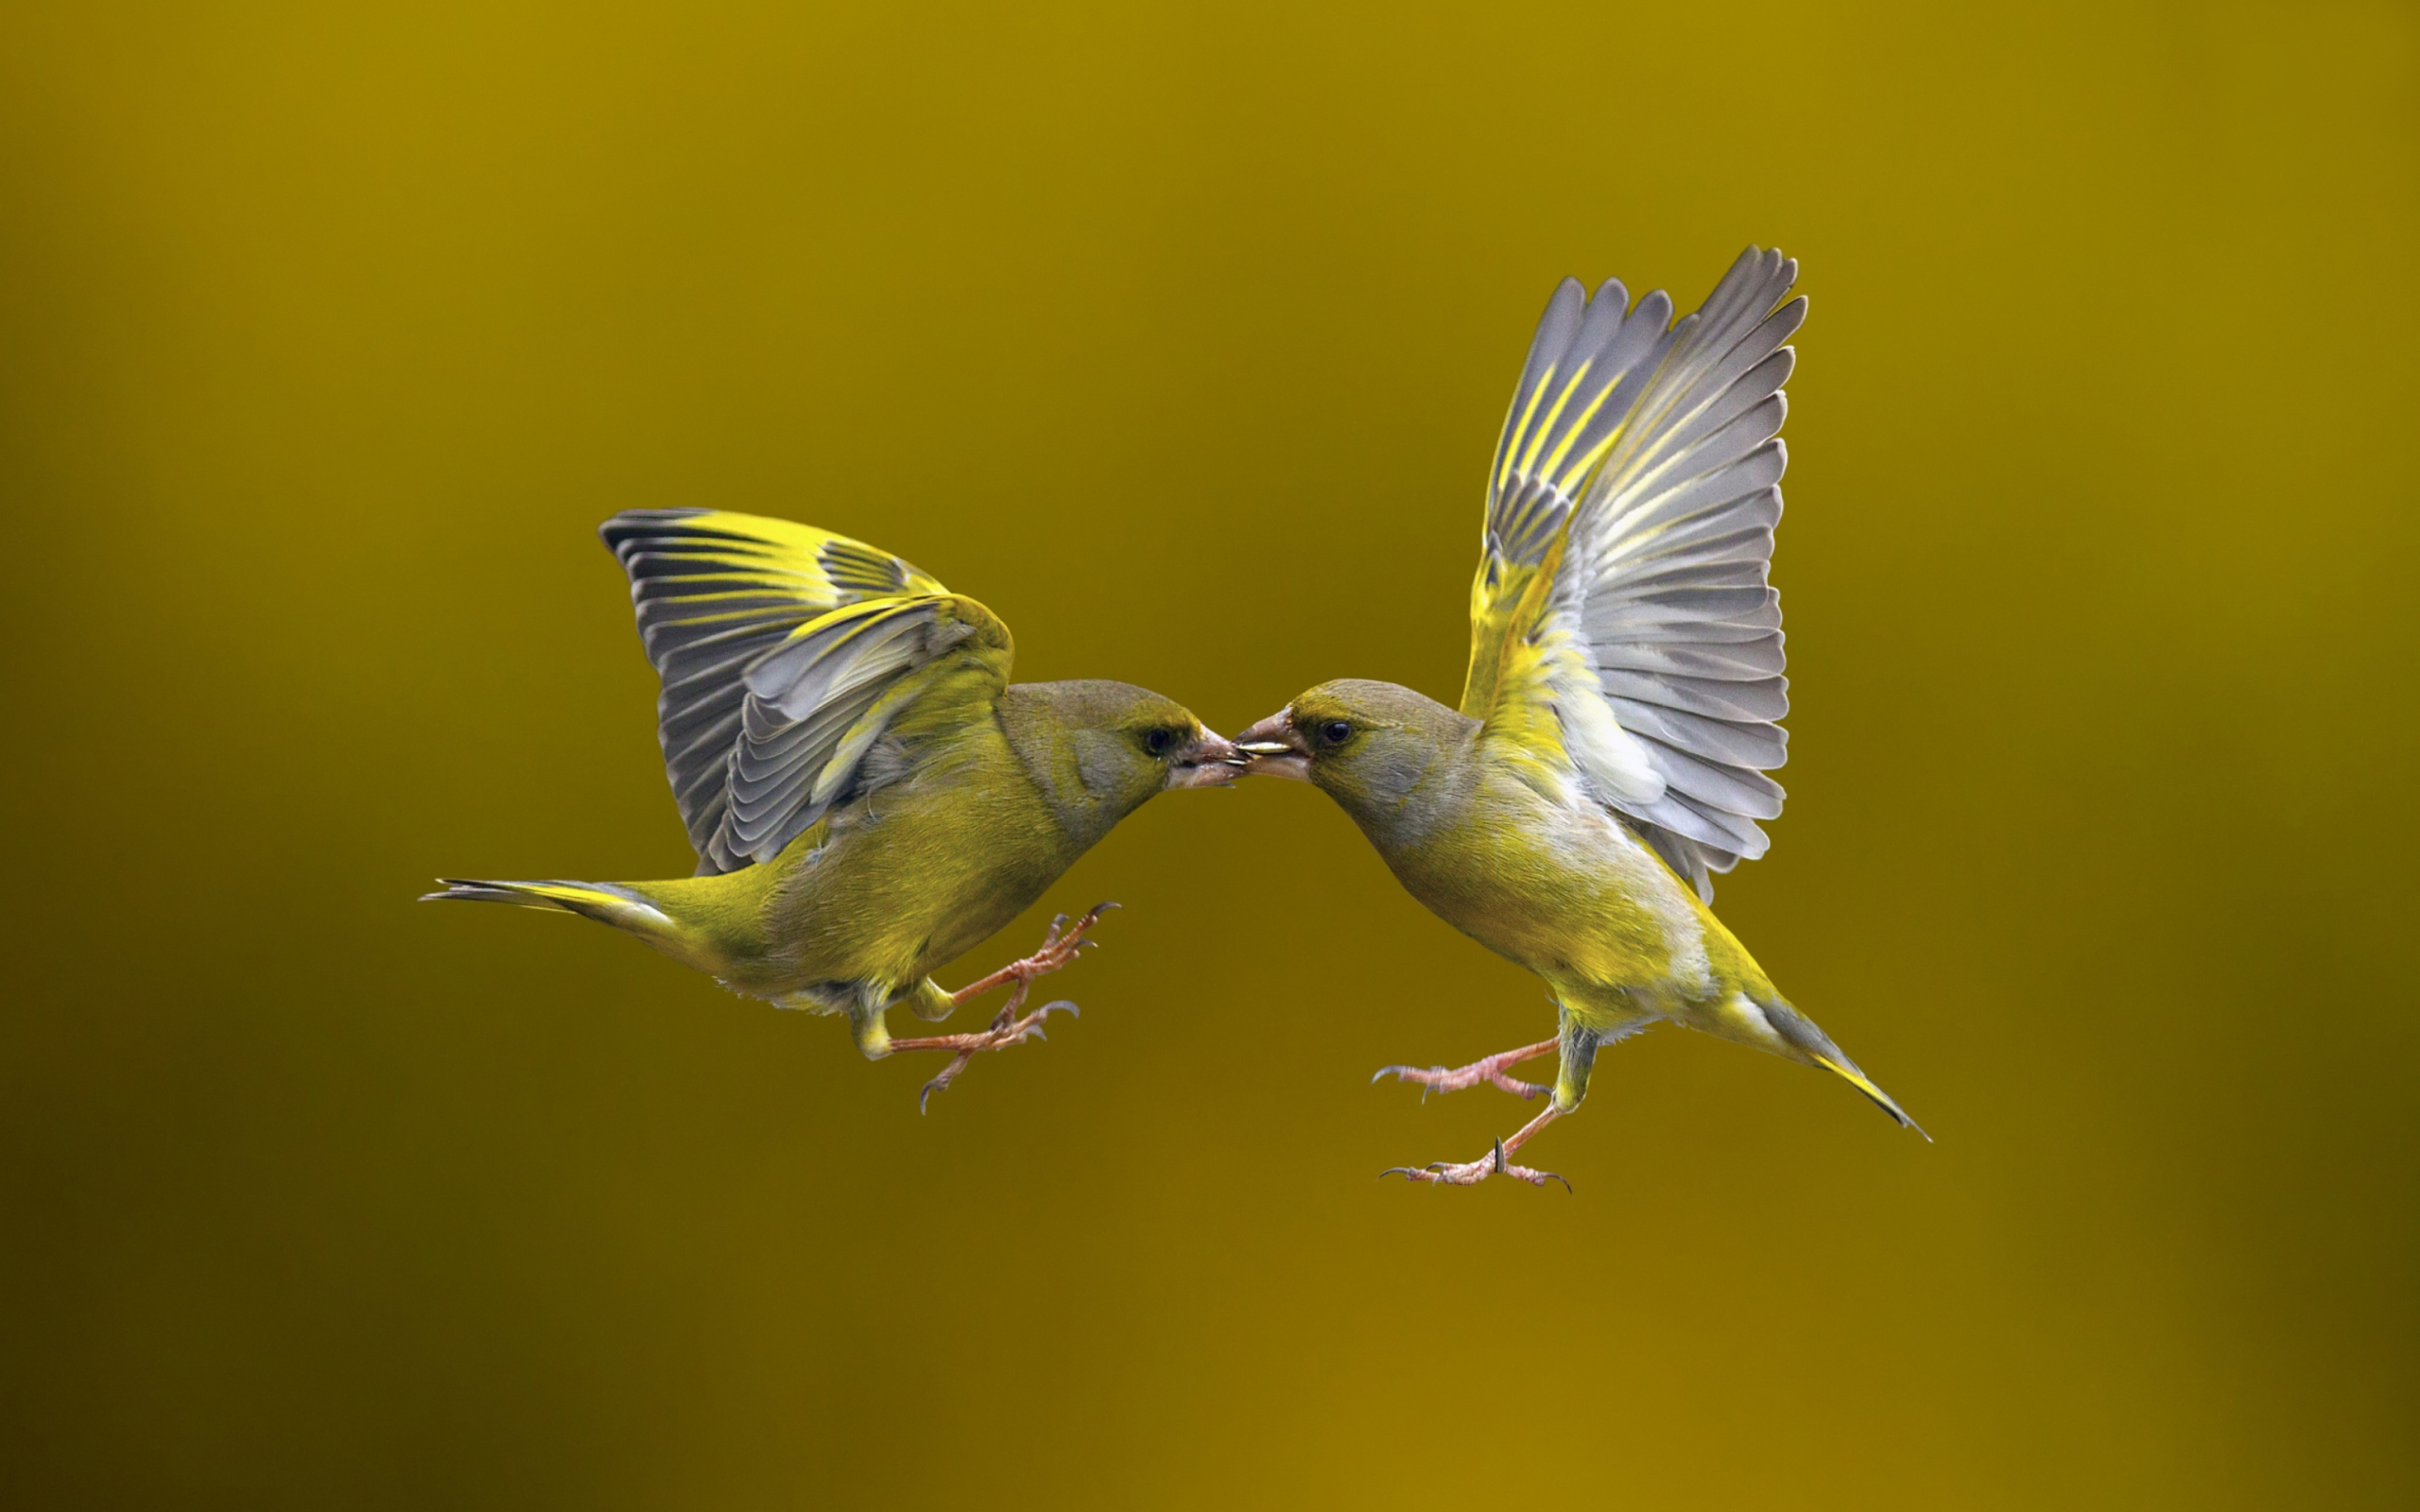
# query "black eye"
(1157, 741)
(1335, 732)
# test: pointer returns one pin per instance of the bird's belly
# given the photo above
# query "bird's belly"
(1569, 894)
(906, 887)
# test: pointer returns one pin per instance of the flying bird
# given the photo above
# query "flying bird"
(869, 796)
(1623, 703)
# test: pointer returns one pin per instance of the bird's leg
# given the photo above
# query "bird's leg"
(1491, 1163)
(1579, 1046)
(1059, 947)
(1006, 1030)
(1491, 1070)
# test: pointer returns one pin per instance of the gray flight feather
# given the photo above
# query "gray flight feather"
(1586, 365)
(1670, 541)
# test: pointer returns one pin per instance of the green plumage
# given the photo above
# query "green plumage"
(1565, 890)
(1623, 703)
(905, 798)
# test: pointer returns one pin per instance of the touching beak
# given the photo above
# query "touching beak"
(1274, 749)
(1209, 762)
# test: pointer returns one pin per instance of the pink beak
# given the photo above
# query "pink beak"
(1209, 762)
(1274, 749)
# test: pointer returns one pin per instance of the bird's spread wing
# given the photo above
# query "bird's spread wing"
(1620, 615)
(787, 653)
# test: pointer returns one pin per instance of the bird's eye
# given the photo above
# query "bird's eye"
(1157, 741)
(1335, 732)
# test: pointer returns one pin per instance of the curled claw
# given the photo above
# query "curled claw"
(1409, 1074)
(1403, 1171)
(1536, 1178)
(1499, 1155)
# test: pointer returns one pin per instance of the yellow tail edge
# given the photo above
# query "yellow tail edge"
(1881, 1099)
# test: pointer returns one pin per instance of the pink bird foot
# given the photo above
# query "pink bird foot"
(1443, 1172)
(1006, 1030)
(1058, 949)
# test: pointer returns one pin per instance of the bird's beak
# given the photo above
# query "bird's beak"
(1274, 749)
(1211, 761)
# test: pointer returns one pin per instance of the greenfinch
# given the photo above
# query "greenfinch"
(869, 796)
(1623, 703)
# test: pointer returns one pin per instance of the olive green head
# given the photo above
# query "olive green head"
(1100, 750)
(1367, 745)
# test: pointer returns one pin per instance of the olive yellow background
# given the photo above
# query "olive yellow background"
(1180, 335)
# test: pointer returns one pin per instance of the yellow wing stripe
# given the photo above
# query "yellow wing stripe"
(747, 561)
(1571, 438)
(758, 614)
(1545, 426)
(1570, 483)
(867, 613)
(1536, 395)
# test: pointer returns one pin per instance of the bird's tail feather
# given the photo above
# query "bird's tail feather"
(608, 902)
(1846, 1069)
(1812, 1042)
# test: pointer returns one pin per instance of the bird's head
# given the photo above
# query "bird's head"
(1124, 743)
(1367, 745)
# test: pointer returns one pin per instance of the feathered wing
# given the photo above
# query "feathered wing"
(1622, 581)
(786, 654)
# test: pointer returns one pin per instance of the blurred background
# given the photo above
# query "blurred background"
(1181, 337)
